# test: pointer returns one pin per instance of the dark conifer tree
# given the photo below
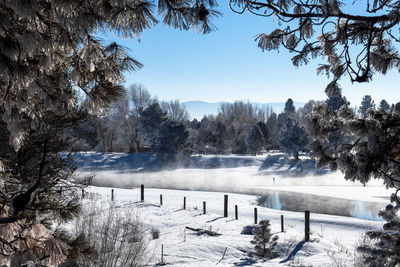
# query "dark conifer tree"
(263, 241)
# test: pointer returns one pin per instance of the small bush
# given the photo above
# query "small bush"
(155, 232)
(248, 229)
(116, 237)
(262, 241)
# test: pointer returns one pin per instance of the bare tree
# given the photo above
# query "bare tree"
(175, 110)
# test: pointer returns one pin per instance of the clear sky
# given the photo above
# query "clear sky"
(227, 65)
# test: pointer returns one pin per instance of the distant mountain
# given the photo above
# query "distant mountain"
(197, 109)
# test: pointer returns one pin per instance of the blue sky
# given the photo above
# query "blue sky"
(227, 65)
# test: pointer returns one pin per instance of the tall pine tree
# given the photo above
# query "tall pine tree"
(254, 140)
(366, 103)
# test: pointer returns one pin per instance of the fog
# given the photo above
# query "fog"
(326, 194)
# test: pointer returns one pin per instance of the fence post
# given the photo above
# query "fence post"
(236, 212)
(112, 194)
(307, 225)
(282, 224)
(204, 207)
(225, 205)
(162, 254)
(255, 216)
(142, 193)
(184, 203)
(160, 199)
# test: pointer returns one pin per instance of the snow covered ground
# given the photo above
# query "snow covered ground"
(282, 183)
(333, 238)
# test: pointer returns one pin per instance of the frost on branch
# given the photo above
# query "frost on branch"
(363, 148)
(49, 53)
(353, 42)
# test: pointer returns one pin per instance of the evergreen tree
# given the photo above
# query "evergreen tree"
(334, 103)
(289, 107)
(50, 56)
(384, 105)
(366, 103)
(254, 140)
(265, 133)
(263, 241)
(50, 52)
(382, 247)
(221, 135)
(292, 138)
(367, 148)
(172, 142)
(150, 121)
(36, 191)
(396, 108)
(273, 130)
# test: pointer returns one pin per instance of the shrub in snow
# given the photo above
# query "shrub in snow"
(110, 236)
(155, 232)
(248, 229)
(263, 241)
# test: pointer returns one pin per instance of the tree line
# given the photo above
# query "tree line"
(138, 122)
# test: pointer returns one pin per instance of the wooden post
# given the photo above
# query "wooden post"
(112, 194)
(225, 205)
(204, 207)
(160, 199)
(162, 254)
(255, 216)
(236, 212)
(83, 193)
(142, 193)
(282, 224)
(307, 226)
(184, 203)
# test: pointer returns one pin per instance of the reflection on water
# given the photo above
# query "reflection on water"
(362, 212)
(273, 201)
(292, 201)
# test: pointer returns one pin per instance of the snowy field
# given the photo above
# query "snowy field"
(333, 238)
(273, 184)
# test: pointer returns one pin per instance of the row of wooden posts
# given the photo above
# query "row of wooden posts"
(306, 219)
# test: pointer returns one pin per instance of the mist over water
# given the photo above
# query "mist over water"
(329, 193)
